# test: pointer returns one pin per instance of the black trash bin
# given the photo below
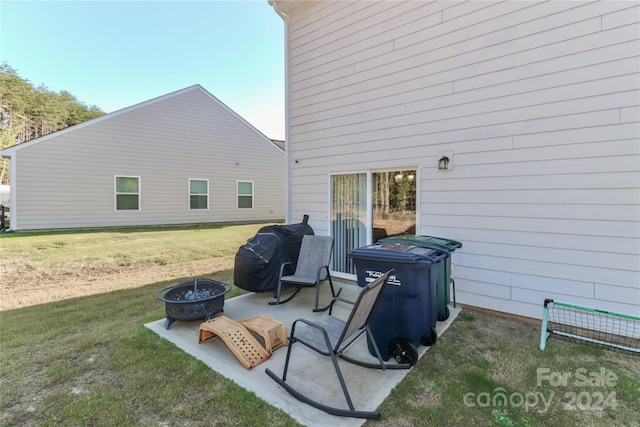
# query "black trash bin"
(443, 295)
(405, 315)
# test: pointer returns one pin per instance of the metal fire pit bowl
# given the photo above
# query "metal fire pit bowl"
(193, 299)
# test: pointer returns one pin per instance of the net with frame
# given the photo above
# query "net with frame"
(581, 323)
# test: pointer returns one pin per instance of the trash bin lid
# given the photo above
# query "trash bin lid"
(412, 239)
(398, 252)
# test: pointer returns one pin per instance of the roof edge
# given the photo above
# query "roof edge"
(239, 117)
(12, 149)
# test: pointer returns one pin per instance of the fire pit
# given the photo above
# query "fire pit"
(193, 299)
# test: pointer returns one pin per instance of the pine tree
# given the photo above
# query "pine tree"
(28, 112)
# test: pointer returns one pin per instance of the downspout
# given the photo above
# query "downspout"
(287, 137)
(13, 215)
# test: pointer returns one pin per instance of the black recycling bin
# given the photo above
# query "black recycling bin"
(405, 315)
(443, 295)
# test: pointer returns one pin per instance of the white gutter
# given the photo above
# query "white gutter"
(287, 138)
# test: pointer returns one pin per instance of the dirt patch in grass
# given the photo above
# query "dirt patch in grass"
(40, 268)
(43, 289)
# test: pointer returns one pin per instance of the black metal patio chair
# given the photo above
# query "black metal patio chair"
(331, 337)
(312, 268)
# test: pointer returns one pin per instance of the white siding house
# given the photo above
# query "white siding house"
(536, 105)
(182, 158)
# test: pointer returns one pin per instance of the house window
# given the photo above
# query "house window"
(245, 194)
(127, 193)
(198, 194)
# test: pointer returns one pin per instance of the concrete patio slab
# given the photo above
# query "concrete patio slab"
(308, 372)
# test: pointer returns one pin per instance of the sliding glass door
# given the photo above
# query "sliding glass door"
(366, 207)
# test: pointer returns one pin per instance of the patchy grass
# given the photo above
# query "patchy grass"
(487, 370)
(90, 361)
(75, 351)
(38, 268)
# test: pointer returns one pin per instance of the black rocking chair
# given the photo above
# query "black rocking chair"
(331, 336)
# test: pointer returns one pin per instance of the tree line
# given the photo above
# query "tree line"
(28, 112)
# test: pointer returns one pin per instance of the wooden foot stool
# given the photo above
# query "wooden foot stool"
(272, 331)
(242, 343)
(238, 339)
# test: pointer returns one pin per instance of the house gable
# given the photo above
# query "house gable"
(66, 179)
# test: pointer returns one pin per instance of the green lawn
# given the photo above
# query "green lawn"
(89, 360)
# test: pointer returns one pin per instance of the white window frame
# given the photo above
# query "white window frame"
(116, 193)
(369, 202)
(253, 192)
(191, 194)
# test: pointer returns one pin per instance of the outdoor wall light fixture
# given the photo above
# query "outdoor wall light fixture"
(445, 160)
(443, 163)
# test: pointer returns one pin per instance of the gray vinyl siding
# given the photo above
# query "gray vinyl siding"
(67, 180)
(539, 103)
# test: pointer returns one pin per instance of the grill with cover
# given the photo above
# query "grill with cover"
(257, 263)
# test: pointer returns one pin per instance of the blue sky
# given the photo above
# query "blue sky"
(114, 54)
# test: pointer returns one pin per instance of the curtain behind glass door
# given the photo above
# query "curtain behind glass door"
(348, 218)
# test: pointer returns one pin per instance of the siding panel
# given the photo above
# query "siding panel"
(538, 101)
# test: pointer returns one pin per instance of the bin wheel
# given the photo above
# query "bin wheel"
(431, 339)
(445, 316)
(404, 352)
